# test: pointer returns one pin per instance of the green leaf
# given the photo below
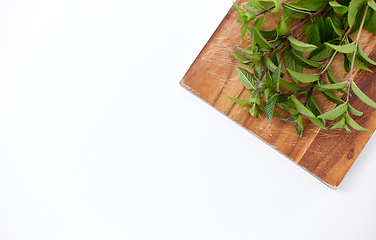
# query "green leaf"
(284, 29)
(354, 7)
(301, 77)
(362, 96)
(277, 3)
(268, 80)
(333, 80)
(305, 62)
(262, 42)
(346, 128)
(254, 6)
(355, 112)
(335, 113)
(299, 125)
(275, 58)
(266, 4)
(340, 124)
(331, 77)
(248, 53)
(289, 120)
(240, 59)
(313, 106)
(276, 77)
(331, 25)
(253, 111)
(372, 4)
(359, 64)
(252, 36)
(322, 54)
(286, 17)
(348, 48)
(301, 108)
(354, 125)
(290, 86)
(240, 101)
(247, 79)
(344, 21)
(346, 64)
(359, 18)
(310, 5)
(293, 12)
(312, 33)
(333, 97)
(370, 25)
(263, 109)
(266, 94)
(258, 22)
(363, 57)
(301, 46)
(321, 26)
(268, 34)
(269, 64)
(250, 16)
(255, 97)
(244, 30)
(287, 108)
(269, 107)
(290, 62)
(239, 10)
(317, 122)
(331, 87)
(338, 8)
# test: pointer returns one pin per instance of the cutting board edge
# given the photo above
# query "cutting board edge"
(189, 89)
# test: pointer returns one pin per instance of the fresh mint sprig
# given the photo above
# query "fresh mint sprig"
(326, 25)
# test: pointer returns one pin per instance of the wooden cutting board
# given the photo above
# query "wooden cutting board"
(328, 155)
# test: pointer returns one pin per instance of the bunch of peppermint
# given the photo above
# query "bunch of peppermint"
(326, 26)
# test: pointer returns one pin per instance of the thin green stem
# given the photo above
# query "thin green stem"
(354, 54)
(327, 65)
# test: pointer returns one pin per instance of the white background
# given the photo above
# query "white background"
(99, 141)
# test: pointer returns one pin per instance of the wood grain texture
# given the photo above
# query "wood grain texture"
(328, 155)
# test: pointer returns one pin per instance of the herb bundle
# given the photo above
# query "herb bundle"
(326, 26)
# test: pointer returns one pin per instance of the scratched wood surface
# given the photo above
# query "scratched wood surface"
(328, 155)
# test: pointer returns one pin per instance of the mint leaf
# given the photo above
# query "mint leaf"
(353, 111)
(305, 62)
(354, 7)
(302, 77)
(254, 6)
(335, 113)
(277, 3)
(331, 87)
(299, 125)
(362, 96)
(269, 107)
(301, 108)
(338, 8)
(348, 48)
(247, 79)
(262, 42)
(354, 125)
(333, 97)
(317, 122)
(290, 62)
(301, 46)
(312, 33)
(340, 124)
(363, 57)
(240, 101)
(372, 4)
